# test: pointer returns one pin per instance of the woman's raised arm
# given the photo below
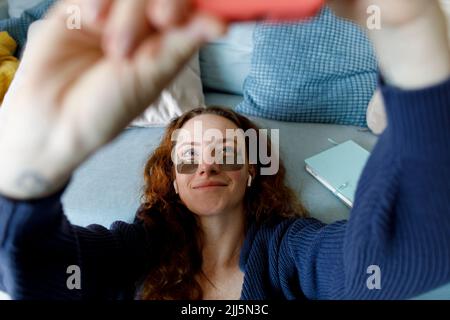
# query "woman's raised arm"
(396, 243)
(88, 70)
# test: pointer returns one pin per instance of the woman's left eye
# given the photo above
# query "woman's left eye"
(228, 150)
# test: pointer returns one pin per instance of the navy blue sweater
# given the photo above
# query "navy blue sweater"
(400, 223)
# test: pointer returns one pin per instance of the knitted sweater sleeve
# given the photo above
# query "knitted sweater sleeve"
(396, 243)
(44, 256)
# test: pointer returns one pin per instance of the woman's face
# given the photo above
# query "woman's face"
(208, 186)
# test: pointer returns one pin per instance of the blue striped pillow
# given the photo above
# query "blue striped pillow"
(321, 71)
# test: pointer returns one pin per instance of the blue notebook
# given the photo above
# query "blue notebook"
(339, 169)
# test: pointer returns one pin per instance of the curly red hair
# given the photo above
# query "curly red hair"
(177, 229)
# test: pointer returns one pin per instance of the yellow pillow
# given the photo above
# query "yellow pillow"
(8, 63)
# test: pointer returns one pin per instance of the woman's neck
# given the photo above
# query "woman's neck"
(223, 236)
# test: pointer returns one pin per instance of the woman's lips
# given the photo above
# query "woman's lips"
(210, 184)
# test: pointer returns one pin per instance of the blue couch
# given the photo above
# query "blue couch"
(108, 186)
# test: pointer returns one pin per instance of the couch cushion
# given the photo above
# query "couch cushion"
(222, 99)
(225, 63)
(323, 71)
(107, 187)
(183, 94)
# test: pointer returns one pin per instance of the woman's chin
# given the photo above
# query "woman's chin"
(208, 212)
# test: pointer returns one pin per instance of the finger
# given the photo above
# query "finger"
(167, 13)
(67, 21)
(126, 27)
(97, 10)
(80, 14)
(162, 56)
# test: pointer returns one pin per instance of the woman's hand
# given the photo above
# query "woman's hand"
(412, 44)
(395, 13)
(77, 89)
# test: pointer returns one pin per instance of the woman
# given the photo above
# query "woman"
(213, 240)
(222, 198)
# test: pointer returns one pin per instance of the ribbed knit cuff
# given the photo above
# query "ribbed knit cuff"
(17, 216)
(419, 120)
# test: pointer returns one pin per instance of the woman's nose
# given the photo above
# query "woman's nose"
(208, 168)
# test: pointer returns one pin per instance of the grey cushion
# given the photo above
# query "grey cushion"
(107, 187)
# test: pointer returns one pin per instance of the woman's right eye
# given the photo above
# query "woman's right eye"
(189, 153)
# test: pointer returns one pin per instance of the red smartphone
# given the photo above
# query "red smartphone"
(247, 10)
